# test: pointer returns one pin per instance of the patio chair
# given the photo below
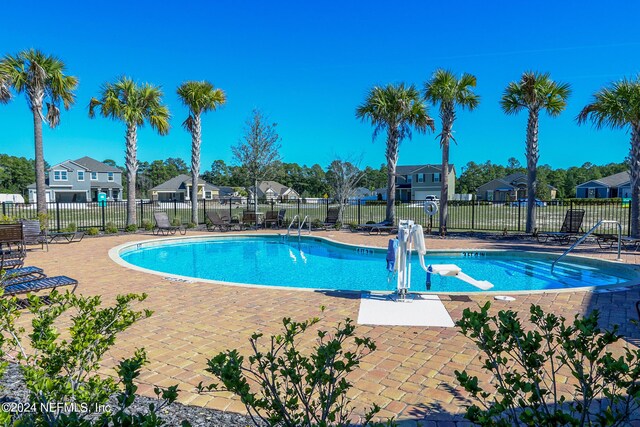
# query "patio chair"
(377, 228)
(332, 217)
(571, 226)
(249, 219)
(23, 274)
(33, 234)
(39, 285)
(164, 227)
(272, 217)
(217, 222)
(12, 249)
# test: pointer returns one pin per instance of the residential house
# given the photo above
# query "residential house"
(274, 191)
(80, 181)
(509, 188)
(179, 189)
(617, 185)
(361, 193)
(415, 183)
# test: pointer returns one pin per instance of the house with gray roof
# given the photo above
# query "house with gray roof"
(419, 181)
(274, 191)
(509, 188)
(179, 189)
(80, 181)
(616, 185)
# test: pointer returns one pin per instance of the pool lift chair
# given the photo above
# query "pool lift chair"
(411, 236)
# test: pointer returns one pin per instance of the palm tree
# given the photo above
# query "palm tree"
(617, 107)
(133, 104)
(5, 86)
(534, 92)
(41, 77)
(396, 109)
(199, 97)
(445, 88)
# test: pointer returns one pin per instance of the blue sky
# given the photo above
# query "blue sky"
(309, 64)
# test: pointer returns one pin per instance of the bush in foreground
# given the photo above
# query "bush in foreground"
(526, 365)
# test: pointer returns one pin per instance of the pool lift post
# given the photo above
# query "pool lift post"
(411, 236)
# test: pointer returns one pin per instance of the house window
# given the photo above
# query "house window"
(80, 175)
(110, 176)
(94, 176)
(490, 195)
(409, 179)
(207, 195)
(436, 177)
(60, 176)
(420, 177)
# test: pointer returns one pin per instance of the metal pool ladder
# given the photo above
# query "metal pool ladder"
(580, 240)
(297, 217)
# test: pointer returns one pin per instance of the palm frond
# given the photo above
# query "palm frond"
(614, 106)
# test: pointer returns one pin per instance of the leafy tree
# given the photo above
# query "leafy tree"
(16, 173)
(220, 174)
(5, 84)
(535, 92)
(134, 105)
(618, 106)
(258, 151)
(525, 365)
(446, 89)
(395, 109)
(110, 162)
(43, 80)
(198, 97)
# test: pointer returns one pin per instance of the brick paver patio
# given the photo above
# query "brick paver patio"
(411, 375)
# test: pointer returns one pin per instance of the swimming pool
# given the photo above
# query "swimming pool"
(315, 263)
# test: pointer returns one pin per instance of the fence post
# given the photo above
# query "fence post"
(628, 220)
(571, 215)
(473, 213)
(104, 217)
(298, 208)
(4, 209)
(359, 222)
(57, 216)
(519, 209)
(230, 208)
(141, 219)
(175, 208)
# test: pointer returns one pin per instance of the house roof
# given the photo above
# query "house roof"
(407, 170)
(611, 181)
(275, 186)
(180, 182)
(95, 166)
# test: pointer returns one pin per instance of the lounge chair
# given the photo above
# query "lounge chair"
(38, 285)
(217, 222)
(164, 227)
(249, 219)
(23, 274)
(66, 236)
(33, 234)
(377, 228)
(332, 217)
(571, 226)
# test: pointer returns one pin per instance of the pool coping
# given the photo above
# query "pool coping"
(114, 254)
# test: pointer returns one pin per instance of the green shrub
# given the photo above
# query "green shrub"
(176, 222)
(525, 366)
(44, 220)
(147, 225)
(295, 390)
(316, 223)
(131, 228)
(111, 228)
(70, 228)
(64, 371)
(6, 219)
(93, 231)
(338, 225)
(191, 224)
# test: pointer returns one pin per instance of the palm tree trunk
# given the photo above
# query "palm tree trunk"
(532, 169)
(634, 155)
(196, 138)
(392, 160)
(41, 196)
(131, 163)
(448, 116)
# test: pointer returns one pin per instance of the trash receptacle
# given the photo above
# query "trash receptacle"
(102, 199)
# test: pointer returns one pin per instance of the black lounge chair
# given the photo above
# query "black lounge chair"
(377, 228)
(12, 249)
(571, 226)
(39, 285)
(332, 218)
(217, 222)
(249, 219)
(164, 227)
(275, 218)
(23, 274)
(33, 234)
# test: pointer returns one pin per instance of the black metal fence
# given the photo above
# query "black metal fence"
(463, 215)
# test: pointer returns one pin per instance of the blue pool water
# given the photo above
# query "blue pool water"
(315, 263)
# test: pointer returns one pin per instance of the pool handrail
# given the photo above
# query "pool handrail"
(582, 239)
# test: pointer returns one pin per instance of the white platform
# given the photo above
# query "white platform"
(423, 310)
